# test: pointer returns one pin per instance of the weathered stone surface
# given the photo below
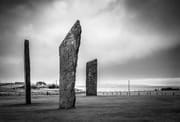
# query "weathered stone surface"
(68, 52)
(91, 78)
(27, 72)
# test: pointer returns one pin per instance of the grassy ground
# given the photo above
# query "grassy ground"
(111, 108)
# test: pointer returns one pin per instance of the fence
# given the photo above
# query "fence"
(139, 93)
(100, 93)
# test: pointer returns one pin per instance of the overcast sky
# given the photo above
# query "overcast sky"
(132, 39)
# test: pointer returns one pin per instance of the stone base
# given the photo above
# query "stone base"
(67, 99)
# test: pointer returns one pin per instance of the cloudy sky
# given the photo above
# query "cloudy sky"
(132, 39)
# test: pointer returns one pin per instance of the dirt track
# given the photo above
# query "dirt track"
(111, 108)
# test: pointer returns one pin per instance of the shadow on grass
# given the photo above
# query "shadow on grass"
(23, 104)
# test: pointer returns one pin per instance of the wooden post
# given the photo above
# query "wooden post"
(129, 87)
(27, 72)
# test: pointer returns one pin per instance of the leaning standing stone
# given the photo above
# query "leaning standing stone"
(68, 52)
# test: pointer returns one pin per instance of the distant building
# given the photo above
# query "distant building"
(15, 85)
(19, 83)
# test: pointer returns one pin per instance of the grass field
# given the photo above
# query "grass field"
(101, 108)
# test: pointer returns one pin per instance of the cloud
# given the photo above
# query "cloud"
(113, 31)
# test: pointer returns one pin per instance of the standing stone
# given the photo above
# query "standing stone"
(91, 78)
(68, 52)
(27, 72)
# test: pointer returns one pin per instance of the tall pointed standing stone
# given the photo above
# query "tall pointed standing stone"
(68, 52)
(91, 78)
(27, 72)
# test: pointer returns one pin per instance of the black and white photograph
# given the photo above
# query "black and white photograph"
(89, 60)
